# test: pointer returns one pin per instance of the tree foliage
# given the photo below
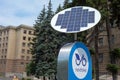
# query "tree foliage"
(58, 9)
(115, 54)
(115, 12)
(46, 44)
(78, 2)
(113, 68)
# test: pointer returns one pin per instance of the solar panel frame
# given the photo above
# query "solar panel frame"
(75, 19)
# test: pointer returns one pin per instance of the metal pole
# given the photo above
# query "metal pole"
(75, 37)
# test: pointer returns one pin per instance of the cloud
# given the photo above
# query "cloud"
(22, 11)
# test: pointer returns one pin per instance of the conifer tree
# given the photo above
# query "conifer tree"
(46, 44)
(66, 4)
(58, 9)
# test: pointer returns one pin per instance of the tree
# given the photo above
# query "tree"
(30, 68)
(58, 9)
(66, 4)
(33, 70)
(113, 67)
(99, 5)
(78, 2)
(115, 55)
(112, 19)
(46, 44)
(115, 12)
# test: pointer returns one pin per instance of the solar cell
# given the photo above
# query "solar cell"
(73, 9)
(91, 16)
(59, 20)
(75, 19)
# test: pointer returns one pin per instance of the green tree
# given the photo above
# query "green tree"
(113, 15)
(115, 12)
(115, 55)
(30, 68)
(113, 67)
(66, 4)
(46, 44)
(33, 70)
(78, 2)
(101, 6)
(58, 9)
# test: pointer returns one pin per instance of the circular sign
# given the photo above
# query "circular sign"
(75, 19)
(80, 63)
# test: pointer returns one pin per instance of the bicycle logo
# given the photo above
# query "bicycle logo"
(80, 59)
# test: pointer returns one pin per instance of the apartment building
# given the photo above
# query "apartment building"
(15, 49)
(103, 48)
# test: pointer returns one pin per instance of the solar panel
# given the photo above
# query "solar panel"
(75, 19)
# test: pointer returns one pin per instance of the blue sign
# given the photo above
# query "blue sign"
(80, 64)
(74, 62)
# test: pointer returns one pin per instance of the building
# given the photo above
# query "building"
(103, 48)
(15, 49)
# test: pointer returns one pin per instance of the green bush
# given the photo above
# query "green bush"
(28, 79)
(23, 78)
(113, 68)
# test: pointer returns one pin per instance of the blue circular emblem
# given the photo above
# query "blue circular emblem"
(80, 65)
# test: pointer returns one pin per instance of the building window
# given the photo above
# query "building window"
(29, 38)
(6, 44)
(28, 51)
(100, 57)
(25, 31)
(28, 44)
(5, 50)
(101, 41)
(34, 33)
(23, 50)
(112, 39)
(0, 33)
(0, 39)
(3, 39)
(6, 38)
(101, 28)
(23, 44)
(30, 32)
(22, 57)
(27, 58)
(22, 63)
(3, 44)
(24, 38)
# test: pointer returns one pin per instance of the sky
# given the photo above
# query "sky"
(16, 12)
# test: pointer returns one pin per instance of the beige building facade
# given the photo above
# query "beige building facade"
(103, 48)
(15, 49)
